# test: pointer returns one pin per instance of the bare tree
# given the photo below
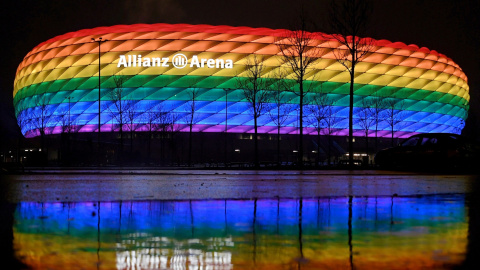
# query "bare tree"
(331, 123)
(349, 20)
(41, 117)
(22, 115)
(158, 119)
(393, 114)
(255, 91)
(67, 120)
(279, 110)
(172, 128)
(119, 106)
(165, 119)
(68, 126)
(130, 117)
(366, 118)
(150, 118)
(299, 50)
(378, 105)
(318, 111)
(191, 118)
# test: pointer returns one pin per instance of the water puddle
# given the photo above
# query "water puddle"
(419, 232)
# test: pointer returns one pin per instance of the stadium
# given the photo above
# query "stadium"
(56, 88)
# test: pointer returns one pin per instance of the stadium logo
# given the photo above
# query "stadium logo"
(178, 61)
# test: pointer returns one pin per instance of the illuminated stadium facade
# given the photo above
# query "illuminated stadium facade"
(56, 84)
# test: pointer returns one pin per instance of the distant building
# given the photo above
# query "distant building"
(56, 85)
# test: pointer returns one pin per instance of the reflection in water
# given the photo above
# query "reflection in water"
(310, 233)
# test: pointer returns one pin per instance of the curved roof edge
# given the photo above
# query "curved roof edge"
(221, 29)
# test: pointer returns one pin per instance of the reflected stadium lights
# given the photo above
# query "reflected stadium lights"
(357, 155)
(162, 235)
(155, 258)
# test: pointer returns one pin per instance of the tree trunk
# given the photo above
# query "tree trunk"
(329, 148)
(121, 144)
(366, 146)
(300, 150)
(149, 150)
(42, 141)
(318, 147)
(256, 144)
(131, 140)
(43, 148)
(392, 134)
(162, 149)
(350, 120)
(278, 145)
(190, 147)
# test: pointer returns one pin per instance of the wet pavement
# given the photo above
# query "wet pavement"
(188, 184)
(240, 220)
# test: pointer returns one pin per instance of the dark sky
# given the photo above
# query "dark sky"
(450, 27)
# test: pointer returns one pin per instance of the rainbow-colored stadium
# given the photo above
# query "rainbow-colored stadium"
(63, 73)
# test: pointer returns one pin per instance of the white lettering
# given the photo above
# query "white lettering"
(210, 63)
(179, 61)
(165, 62)
(156, 62)
(194, 62)
(220, 63)
(146, 62)
(122, 61)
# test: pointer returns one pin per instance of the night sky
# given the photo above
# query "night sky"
(449, 27)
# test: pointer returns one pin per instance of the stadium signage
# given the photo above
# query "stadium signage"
(179, 61)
